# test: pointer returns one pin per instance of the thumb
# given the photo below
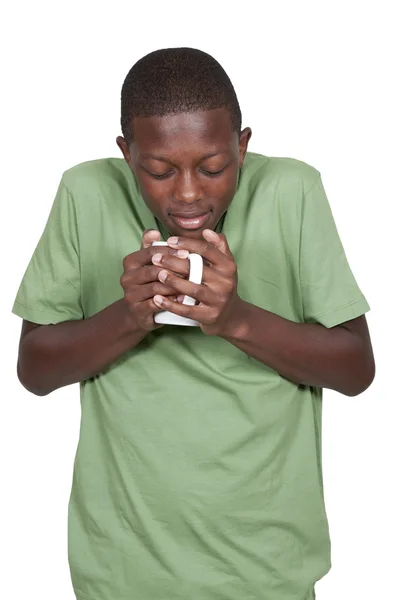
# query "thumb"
(149, 236)
(218, 240)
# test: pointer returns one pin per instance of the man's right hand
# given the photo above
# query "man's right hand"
(82, 349)
(140, 282)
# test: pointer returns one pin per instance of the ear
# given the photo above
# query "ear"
(124, 147)
(243, 143)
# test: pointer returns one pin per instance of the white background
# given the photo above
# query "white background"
(315, 82)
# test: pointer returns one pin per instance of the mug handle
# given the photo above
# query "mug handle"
(195, 275)
(195, 271)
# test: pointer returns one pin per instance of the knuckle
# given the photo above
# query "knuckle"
(153, 272)
(213, 316)
(126, 262)
(185, 310)
(157, 250)
(157, 288)
(149, 272)
(130, 298)
(233, 267)
(227, 296)
(147, 324)
(160, 288)
(124, 279)
(229, 288)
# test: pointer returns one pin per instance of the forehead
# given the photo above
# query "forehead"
(201, 132)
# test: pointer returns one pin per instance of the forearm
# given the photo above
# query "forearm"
(53, 356)
(305, 353)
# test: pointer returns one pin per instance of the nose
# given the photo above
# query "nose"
(187, 188)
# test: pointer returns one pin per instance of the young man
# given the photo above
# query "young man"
(198, 470)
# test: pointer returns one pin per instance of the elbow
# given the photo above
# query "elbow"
(362, 381)
(29, 384)
(359, 366)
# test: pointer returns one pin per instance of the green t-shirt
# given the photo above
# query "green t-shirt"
(198, 469)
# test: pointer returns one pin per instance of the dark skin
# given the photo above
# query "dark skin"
(339, 358)
(52, 356)
(191, 181)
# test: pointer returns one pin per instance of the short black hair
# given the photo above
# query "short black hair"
(176, 80)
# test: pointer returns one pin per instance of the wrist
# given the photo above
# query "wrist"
(235, 325)
(128, 324)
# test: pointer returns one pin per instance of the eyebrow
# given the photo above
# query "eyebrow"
(163, 159)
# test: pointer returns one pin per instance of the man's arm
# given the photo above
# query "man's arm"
(339, 358)
(53, 356)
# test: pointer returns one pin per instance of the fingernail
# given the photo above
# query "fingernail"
(156, 258)
(210, 233)
(182, 253)
(162, 275)
(158, 300)
(173, 241)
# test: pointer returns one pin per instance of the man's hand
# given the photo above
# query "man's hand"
(140, 282)
(219, 303)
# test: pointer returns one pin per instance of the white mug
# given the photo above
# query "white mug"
(195, 275)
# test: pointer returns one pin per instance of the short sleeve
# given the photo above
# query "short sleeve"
(50, 289)
(330, 293)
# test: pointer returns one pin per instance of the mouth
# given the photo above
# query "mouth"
(191, 221)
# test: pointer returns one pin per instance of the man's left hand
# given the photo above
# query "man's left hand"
(219, 308)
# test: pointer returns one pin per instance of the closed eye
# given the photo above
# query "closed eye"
(169, 173)
(163, 176)
(213, 173)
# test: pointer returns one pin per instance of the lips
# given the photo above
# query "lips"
(190, 221)
(187, 215)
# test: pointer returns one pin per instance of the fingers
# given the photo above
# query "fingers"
(172, 262)
(143, 256)
(144, 313)
(218, 240)
(140, 293)
(201, 293)
(150, 235)
(141, 275)
(215, 252)
(181, 267)
(140, 281)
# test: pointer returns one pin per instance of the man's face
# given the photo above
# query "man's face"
(186, 166)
